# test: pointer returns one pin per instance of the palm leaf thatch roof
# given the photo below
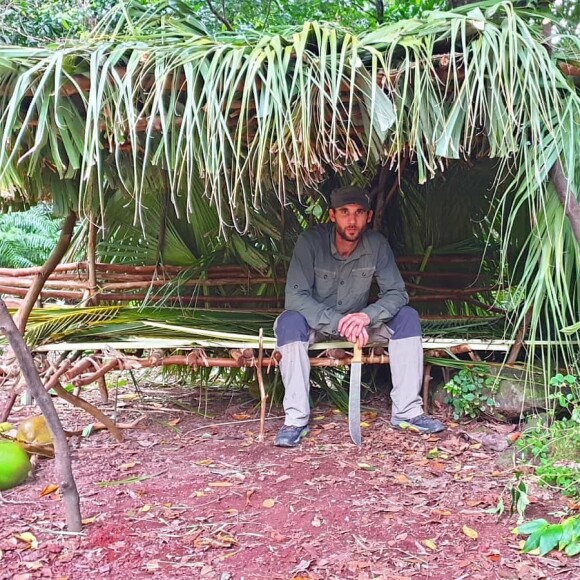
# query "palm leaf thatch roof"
(247, 116)
(149, 104)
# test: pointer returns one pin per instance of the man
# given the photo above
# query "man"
(327, 291)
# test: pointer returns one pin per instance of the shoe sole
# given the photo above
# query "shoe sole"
(406, 426)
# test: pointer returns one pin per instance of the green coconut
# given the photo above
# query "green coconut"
(14, 464)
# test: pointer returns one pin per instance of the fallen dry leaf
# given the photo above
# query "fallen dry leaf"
(220, 484)
(50, 488)
(221, 540)
(29, 539)
(366, 467)
(269, 503)
(436, 466)
(277, 536)
(126, 466)
(402, 478)
(282, 478)
(152, 565)
(241, 416)
(249, 495)
(430, 544)
(129, 396)
(470, 532)
(441, 512)
(37, 565)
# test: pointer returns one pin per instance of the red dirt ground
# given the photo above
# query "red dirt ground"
(208, 501)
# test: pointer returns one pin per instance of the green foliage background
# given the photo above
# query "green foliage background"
(37, 22)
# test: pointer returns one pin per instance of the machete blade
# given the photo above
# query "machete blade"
(354, 396)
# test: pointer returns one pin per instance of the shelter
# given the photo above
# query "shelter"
(185, 150)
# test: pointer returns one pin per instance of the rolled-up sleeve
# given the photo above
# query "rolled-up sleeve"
(299, 290)
(392, 294)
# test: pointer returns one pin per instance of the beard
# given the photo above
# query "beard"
(349, 234)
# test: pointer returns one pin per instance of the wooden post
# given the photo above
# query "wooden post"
(426, 384)
(63, 465)
(263, 396)
(520, 338)
(36, 286)
(93, 297)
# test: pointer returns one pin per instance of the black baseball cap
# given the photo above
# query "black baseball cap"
(350, 194)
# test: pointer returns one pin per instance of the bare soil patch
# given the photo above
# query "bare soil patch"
(188, 496)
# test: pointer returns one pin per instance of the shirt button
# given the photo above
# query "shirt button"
(364, 274)
(339, 302)
(295, 286)
(342, 282)
(325, 276)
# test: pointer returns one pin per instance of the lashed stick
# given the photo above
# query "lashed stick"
(263, 396)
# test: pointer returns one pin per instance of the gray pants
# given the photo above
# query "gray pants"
(405, 353)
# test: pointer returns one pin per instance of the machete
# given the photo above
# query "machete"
(354, 396)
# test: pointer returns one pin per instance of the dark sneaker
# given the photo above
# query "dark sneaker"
(289, 435)
(421, 424)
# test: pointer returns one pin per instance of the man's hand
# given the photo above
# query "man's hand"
(353, 327)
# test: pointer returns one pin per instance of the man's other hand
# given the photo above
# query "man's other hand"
(353, 327)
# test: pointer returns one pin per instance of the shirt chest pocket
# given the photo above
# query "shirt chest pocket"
(361, 279)
(324, 282)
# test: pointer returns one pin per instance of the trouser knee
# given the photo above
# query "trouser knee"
(405, 324)
(291, 326)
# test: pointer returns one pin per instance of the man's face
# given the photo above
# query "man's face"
(351, 221)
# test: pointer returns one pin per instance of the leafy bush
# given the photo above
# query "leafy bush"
(554, 446)
(470, 392)
(544, 536)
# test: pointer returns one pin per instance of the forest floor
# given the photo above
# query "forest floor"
(196, 495)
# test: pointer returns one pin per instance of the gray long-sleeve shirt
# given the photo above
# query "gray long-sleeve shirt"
(323, 286)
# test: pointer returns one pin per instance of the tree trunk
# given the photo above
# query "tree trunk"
(380, 6)
(567, 196)
(564, 191)
(458, 3)
(63, 465)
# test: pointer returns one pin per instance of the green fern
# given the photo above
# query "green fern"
(28, 237)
